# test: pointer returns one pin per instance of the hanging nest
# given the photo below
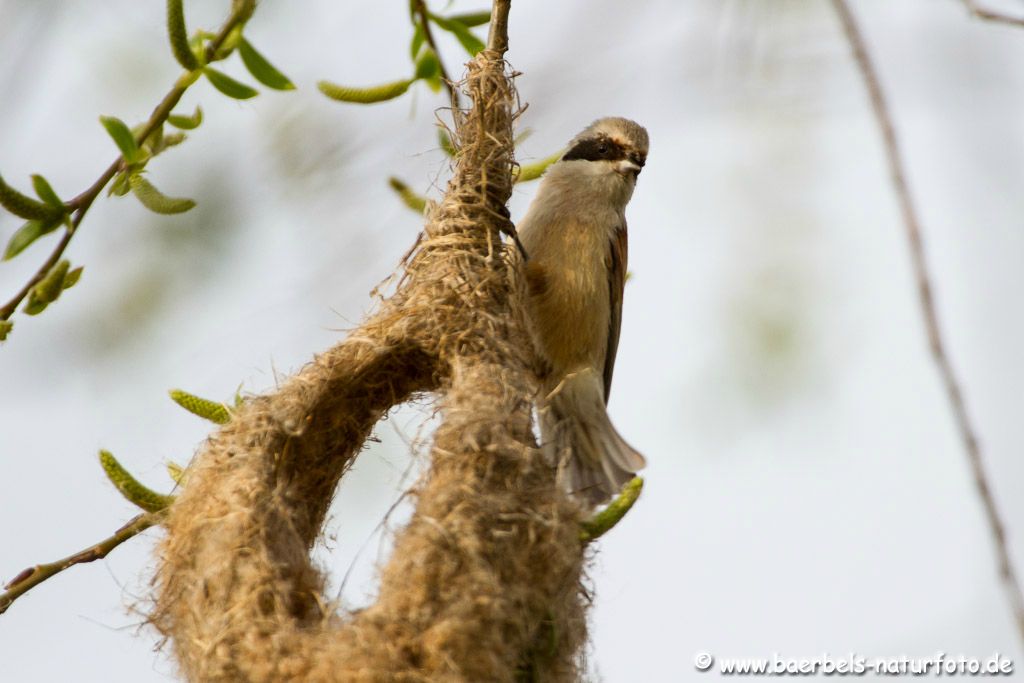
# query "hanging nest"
(483, 583)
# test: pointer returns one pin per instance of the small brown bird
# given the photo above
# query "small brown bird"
(575, 236)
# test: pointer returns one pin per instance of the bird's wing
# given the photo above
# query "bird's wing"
(617, 256)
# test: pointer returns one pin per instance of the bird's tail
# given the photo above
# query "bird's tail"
(576, 432)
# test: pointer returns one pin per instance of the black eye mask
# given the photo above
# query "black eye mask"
(596, 149)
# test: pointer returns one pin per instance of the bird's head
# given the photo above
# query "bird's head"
(610, 145)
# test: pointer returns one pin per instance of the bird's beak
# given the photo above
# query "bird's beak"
(627, 167)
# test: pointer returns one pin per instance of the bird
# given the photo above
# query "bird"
(574, 235)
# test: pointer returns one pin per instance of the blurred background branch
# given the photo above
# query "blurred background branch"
(926, 297)
(987, 14)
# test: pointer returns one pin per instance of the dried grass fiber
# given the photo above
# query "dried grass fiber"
(483, 584)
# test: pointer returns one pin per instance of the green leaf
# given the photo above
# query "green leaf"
(472, 18)
(176, 472)
(34, 306)
(27, 234)
(524, 134)
(414, 201)
(123, 138)
(262, 70)
(156, 201)
(203, 407)
(46, 193)
(120, 185)
(172, 140)
(230, 43)
(377, 93)
(24, 206)
(154, 143)
(445, 141)
(418, 38)
(159, 144)
(535, 170)
(179, 35)
(186, 122)
(130, 487)
(72, 278)
(229, 86)
(5, 329)
(50, 287)
(470, 42)
(158, 141)
(428, 65)
(197, 45)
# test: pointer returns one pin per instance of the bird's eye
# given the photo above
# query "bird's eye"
(602, 149)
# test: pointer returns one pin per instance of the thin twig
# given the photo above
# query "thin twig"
(428, 35)
(980, 12)
(497, 41)
(497, 38)
(968, 433)
(33, 576)
(81, 203)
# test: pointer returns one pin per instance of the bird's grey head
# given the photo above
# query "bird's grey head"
(612, 145)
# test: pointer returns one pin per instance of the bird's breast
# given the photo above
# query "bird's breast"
(569, 298)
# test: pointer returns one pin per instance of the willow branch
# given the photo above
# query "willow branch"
(80, 204)
(497, 37)
(950, 381)
(33, 576)
(986, 14)
(424, 18)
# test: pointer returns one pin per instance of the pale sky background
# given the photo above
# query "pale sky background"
(806, 491)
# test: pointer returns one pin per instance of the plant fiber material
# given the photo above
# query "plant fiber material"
(483, 584)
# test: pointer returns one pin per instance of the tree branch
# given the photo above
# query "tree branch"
(33, 576)
(497, 37)
(968, 433)
(80, 204)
